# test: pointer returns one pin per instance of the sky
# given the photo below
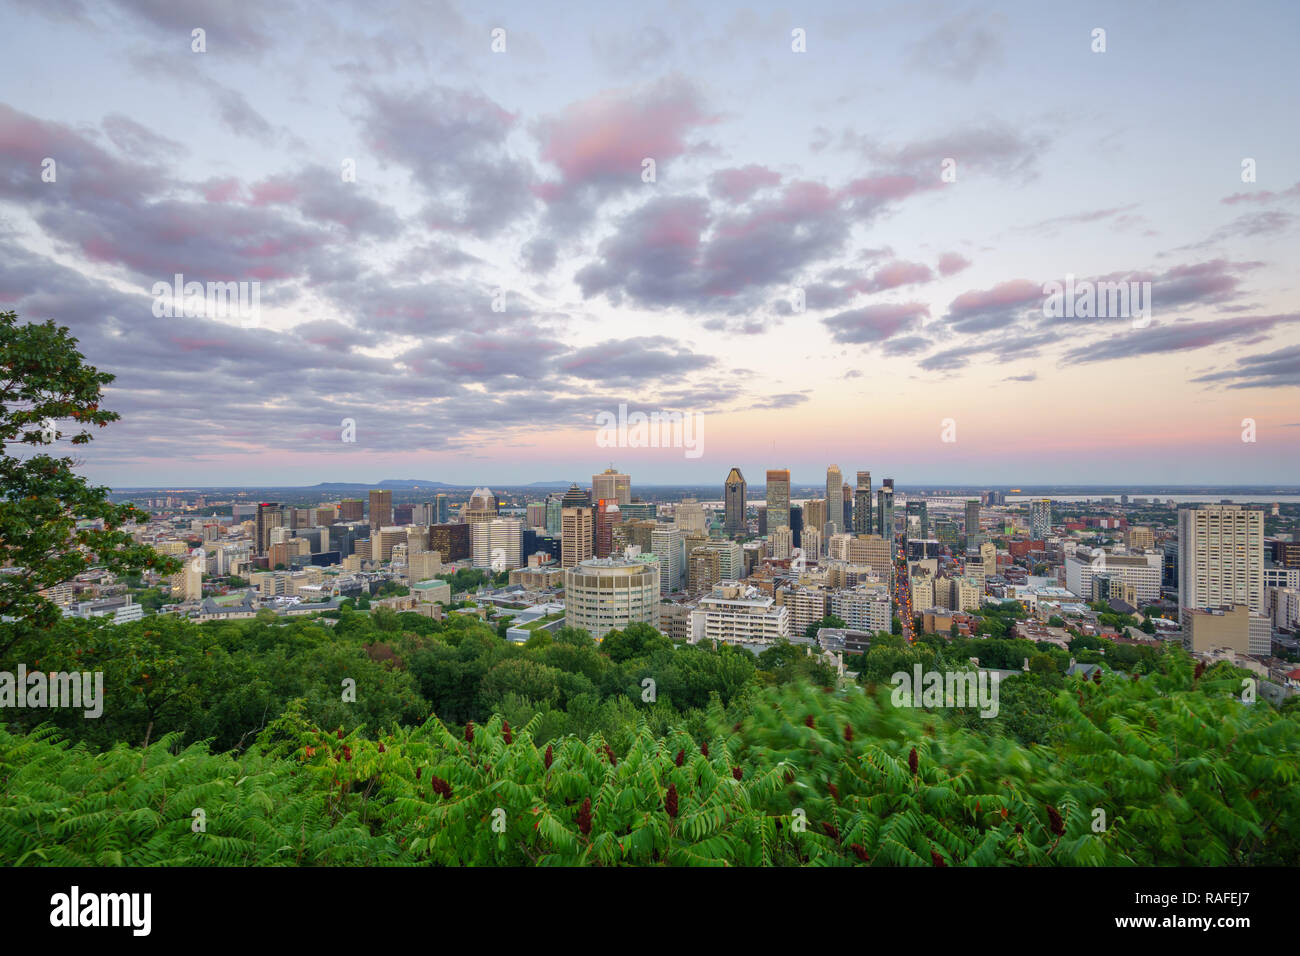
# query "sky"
(840, 253)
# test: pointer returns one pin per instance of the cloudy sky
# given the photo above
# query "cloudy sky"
(458, 249)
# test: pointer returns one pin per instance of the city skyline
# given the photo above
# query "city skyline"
(850, 230)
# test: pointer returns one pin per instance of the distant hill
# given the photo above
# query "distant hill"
(395, 484)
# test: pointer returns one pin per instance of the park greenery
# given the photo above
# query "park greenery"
(369, 736)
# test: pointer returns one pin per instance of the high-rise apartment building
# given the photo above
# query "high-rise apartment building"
(381, 508)
(612, 486)
(1040, 518)
(733, 500)
(778, 498)
(834, 503)
(1221, 557)
(862, 504)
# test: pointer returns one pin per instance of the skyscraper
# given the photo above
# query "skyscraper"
(607, 518)
(381, 508)
(972, 528)
(352, 509)
(1040, 518)
(482, 506)
(1220, 557)
(733, 497)
(268, 516)
(778, 499)
(442, 509)
(814, 514)
(862, 504)
(577, 534)
(846, 494)
(612, 486)
(834, 502)
(885, 510)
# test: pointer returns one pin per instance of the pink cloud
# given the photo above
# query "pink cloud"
(607, 137)
(739, 184)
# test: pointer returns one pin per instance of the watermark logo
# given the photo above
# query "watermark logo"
(82, 690)
(798, 40)
(498, 39)
(948, 170)
(1248, 431)
(1086, 299)
(241, 301)
(74, 909)
(348, 431)
(931, 688)
(49, 170)
(659, 429)
(49, 432)
(1099, 40)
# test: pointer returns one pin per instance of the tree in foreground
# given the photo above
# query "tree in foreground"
(53, 523)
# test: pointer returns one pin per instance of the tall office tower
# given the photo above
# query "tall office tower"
(403, 515)
(1220, 557)
(553, 508)
(299, 518)
(441, 509)
(834, 502)
(612, 486)
(669, 546)
(972, 528)
(796, 524)
(918, 508)
(577, 534)
(497, 544)
(862, 504)
(325, 515)
(1040, 518)
(268, 516)
(885, 510)
(762, 520)
(382, 541)
(814, 515)
(846, 495)
(778, 498)
(351, 509)
(482, 506)
(451, 541)
(733, 499)
(423, 514)
(536, 514)
(608, 518)
(381, 508)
